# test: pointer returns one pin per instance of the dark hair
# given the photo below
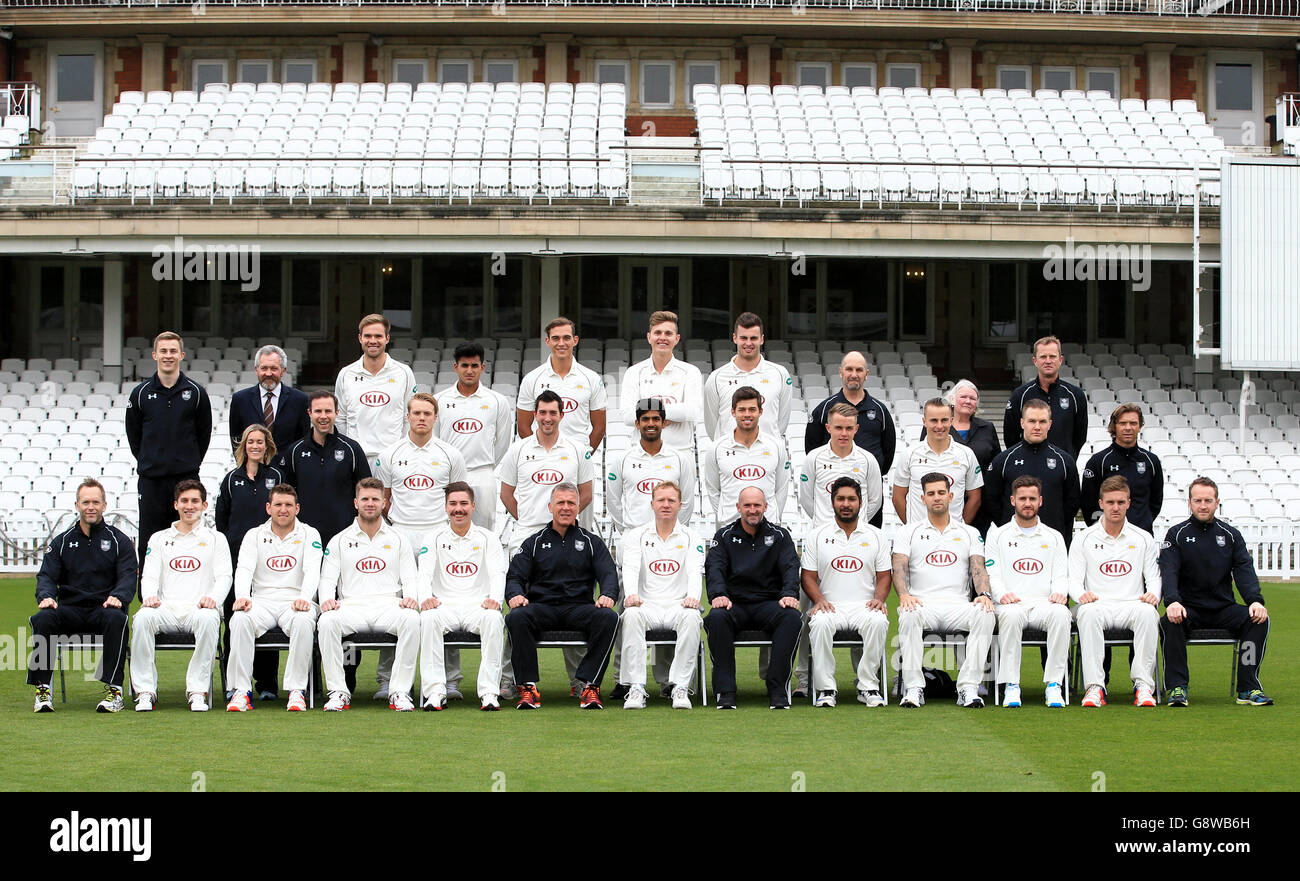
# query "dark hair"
(1120, 411)
(186, 486)
(369, 483)
(650, 405)
(1200, 481)
(560, 322)
(746, 393)
(935, 477)
(549, 397)
(1026, 480)
(468, 349)
(321, 393)
(749, 319)
(1036, 404)
(284, 489)
(842, 482)
(458, 486)
(92, 483)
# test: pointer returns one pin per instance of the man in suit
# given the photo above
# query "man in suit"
(279, 407)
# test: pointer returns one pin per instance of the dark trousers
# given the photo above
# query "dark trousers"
(878, 520)
(779, 623)
(266, 662)
(48, 624)
(157, 506)
(1234, 618)
(598, 624)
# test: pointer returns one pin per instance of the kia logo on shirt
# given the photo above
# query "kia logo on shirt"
(1115, 568)
(941, 558)
(281, 564)
(648, 485)
(547, 476)
(370, 564)
(750, 472)
(846, 564)
(667, 399)
(570, 405)
(463, 569)
(418, 482)
(467, 426)
(185, 564)
(375, 399)
(664, 567)
(1027, 566)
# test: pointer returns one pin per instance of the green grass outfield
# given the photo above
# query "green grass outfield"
(1212, 745)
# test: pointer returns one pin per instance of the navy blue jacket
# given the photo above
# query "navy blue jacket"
(81, 570)
(1050, 464)
(241, 504)
(1146, 483)
(875, 428)
(752, 568)
(562, 570)
(168, 428)
(326, 478)
(1069, 414)
(291, 422)
(1200, 561)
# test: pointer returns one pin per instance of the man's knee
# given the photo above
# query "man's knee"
(909, 621)
(720, 621)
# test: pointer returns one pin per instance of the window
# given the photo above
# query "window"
(453, 296)
(206, 72)
(598, 317)
(611, 72)
(298, 70)
(1058, 78)
(252, 313)
(699, 73)
(818, 75)
(657, 83)
(395, 286)
(914, 301)
(903, 76)
(1003, 302)
(1104, 79)
(75, 75)
(1234, 87)
(853, 75)
(801, 312)
(307, 296)
(454, 71)
(254, 72)
(195, 306)
(410, 70)
(1013, 77)
(857, 299)
(501, 71)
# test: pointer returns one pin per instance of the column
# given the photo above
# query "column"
(1158, 69)
(760, 59)
(152, 74)
(960, 64)
(556, 66)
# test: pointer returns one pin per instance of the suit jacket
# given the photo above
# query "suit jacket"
(291, 422)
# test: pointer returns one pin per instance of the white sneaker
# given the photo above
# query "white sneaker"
(1054, 698)
(44, 700)
(112, 701)
(144, 702)
(1011, 695)
(402, 703)
(381, 694)
(1143, 697)
(1095, 696)
(198, 702)
(970, 698)
(912, 697)
(489, 702)
(871, 698)
(338, 702)
(824, 699)
(636, 698)
(681, 697)
(297, 702)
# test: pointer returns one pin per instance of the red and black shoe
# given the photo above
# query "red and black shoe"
(529, 697)
(590, 699)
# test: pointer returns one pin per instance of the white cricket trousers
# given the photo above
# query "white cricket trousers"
(483, 482)
(264, 614)
(873, 625)
(941, 617)
(1013, 618)
(660, 616)
(1094, 618)
(185, 617)
(358, 615)
(435, 623)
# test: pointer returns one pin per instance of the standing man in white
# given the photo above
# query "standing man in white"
(275, 586)
(663, 567)
(1029, 576)
(937, 451)
(936, 561)
(186, 579)
(633, 476)
(746, 455)
(416, 471)
(677, 383)
(462, 586)
(748, 368)
(480, 423)
(373, 390)
(1115, 579)
(369, 582)
(846, 575)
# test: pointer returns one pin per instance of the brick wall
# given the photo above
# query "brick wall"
(943, 78)
(539, 73)
(1180, 77)
(130, 77)
(171, 75)
(574, 76)
(976, 79)
(775, 66)
(371, 65)
(1140, 84)
(23, 64)
(336, 58)
(742, 76)
(664, 126)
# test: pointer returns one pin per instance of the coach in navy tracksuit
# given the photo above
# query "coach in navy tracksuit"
(1068, 403)
(279, 407)
(1141, 468)
(1199, 561)
(324, 467)
(549, 587)
(85, 584)
(1035, 457)
(752, 576)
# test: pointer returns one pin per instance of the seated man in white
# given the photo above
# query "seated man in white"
(1115, 579)
(275, 586)
(1029, 576)
(186, 579)
(462, 587)
(663, 569)
(936, 560)
(846, 575)
(369, 582)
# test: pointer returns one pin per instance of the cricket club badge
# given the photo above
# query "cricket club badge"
(106, 545)
(1141, 467)
(1222, 542)
(270, 483)
(186, 395)
(1065, 403)
(579, 545)
(1051, 463)
(338, 455)
(769, 540)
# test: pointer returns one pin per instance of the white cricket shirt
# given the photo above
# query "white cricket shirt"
(1033, 567)
(533, 470)
(773, 383)
(279, 569)
(360, 567)
(581, 389)
(480, 425)
(632, 478)
(181, 568)
(1119, 568)
(957, 462)
(418, 477)
(659, 570)
(372, 407)
(846, 565)
(729, 467)
(822, 467)
(464, 569)
(680, 386)
(938, 561)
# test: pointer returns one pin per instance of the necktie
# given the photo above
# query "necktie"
(268, 412)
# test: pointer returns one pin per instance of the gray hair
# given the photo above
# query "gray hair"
(960, 384)
(271, 350)
(565, 486)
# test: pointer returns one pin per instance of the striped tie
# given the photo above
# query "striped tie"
(268, 413)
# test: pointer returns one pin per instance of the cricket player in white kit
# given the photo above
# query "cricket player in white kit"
(937, 451)
(1115, 579)
(369, 582)
(416, 470)
(663, 569)
(275, 586)
(634, 474)
(480, 423)
(676, 382)
(747, 368)
(186, 579)
(936, 560)
(1029, 576)
(743, 457)
(846, 574)
(840, 458)
(373, 390)
(462, 586)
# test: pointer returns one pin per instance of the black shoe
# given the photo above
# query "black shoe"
(778, 702)
(726, 701)
(666, 691)
(620, 691)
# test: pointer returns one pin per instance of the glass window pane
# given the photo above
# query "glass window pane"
(1103, 81)
(75, 75)
(697, 74)
(395, 292)
(1112, 309)
(859, 75)
(308, 297)
(52, 311)
(914, 301)
(801, 314)
(599, 314)
(638, 296)
(208, 72)
(857, 299)
(1055, 306)
(252, 313)
(412, 72)
(453, 296)
(711, 295)
(254, 71)
(196, 306)
(670, 290)
(508, 298)
(1004, 315)
(615, 72)
(454, 71)
(90, 311)
(1013, 78)
(500, 72)
(812, 75)
(1060, 80)
(1232, 87)
(300, 71)
(656, 84)
(903, 76)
